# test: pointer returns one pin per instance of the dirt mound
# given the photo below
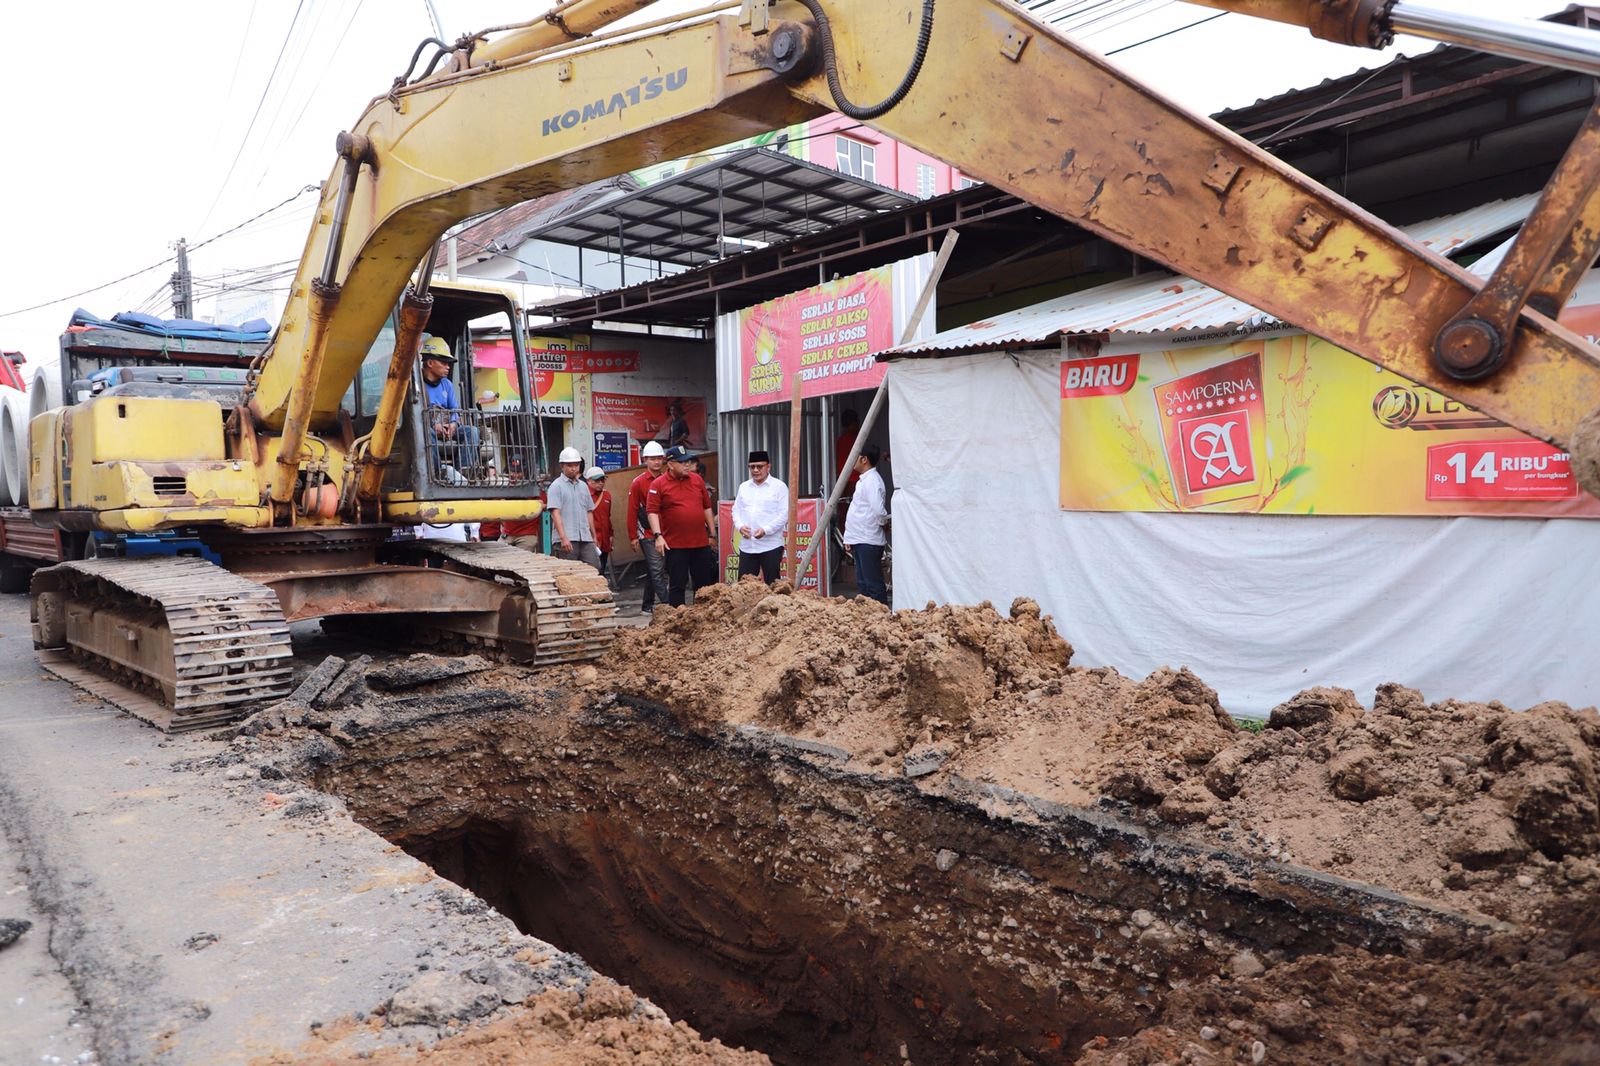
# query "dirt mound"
(746, 653)
(1473, 805)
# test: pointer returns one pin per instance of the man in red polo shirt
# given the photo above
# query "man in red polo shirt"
(655, 578)
(678, 507)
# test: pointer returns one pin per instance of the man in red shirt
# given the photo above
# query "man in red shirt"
(679, 509)
(655, 579)
(527, 534)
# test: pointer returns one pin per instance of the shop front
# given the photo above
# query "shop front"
(824, 342)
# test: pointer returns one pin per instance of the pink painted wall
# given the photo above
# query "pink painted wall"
(895, 164)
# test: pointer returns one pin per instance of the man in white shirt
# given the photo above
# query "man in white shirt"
(571, 510)
(761, 515)
(863, 526)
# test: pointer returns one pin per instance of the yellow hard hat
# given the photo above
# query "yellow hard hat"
(436, 348)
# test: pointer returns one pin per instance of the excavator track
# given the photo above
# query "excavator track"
(178, 642)
(574, 611)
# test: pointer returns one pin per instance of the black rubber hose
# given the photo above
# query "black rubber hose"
(426, 41)
(830, 66)
(440, 54)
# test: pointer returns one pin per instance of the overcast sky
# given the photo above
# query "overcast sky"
(130, 124)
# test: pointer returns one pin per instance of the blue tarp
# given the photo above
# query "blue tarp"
(254, 331)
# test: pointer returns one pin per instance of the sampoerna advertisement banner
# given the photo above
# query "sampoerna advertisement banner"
(828, 334)
(1292, 425)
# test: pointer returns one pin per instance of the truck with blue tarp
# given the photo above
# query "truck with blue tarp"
(133, 350)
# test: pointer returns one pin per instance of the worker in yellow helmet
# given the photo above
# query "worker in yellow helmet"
(455, 441)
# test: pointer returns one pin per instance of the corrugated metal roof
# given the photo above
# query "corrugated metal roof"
(1168, 303)
(1454, 233)
(753, 195)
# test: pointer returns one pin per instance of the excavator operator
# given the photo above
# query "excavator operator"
(444, 418)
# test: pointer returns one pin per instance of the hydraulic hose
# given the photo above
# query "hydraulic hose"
(830, 65)
(426, 41)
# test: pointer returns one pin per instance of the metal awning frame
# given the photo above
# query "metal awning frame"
(756, 195)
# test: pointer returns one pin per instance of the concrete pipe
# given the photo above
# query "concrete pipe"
(44, 390)
(13, 446)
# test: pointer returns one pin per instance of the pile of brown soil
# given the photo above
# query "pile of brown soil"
(1472, 805)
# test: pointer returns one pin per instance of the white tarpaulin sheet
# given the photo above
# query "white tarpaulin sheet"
(1258, 606)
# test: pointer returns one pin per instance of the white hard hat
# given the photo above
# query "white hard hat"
(654, 450)
(570, 455)
(592, 473)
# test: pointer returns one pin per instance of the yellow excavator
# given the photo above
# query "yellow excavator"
(298, 494)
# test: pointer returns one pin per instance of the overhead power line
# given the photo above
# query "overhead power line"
(254, 115)
(294, 61)
(1116, 11)
(1314, 112)
(238, 63)
(1134, 16)
(328, 64)
(1169, 33)
(163, 262)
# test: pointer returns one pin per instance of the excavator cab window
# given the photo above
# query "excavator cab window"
(361, 399)
(474, 433)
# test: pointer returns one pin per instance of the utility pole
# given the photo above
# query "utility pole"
(182, 283)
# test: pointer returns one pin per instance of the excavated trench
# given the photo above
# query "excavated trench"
(750, 885)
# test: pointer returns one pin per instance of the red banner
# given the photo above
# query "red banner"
(668, 419)
(1111, 376)
(583, 362)
(806, 523)
(827, 334)
(1500, 469)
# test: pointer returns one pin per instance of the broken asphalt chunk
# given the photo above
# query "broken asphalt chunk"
(11, 928)
(421, 669)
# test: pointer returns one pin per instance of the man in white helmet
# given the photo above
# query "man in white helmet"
(572, 512)
(639, 538)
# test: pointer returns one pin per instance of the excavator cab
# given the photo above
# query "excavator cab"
(475, 432)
